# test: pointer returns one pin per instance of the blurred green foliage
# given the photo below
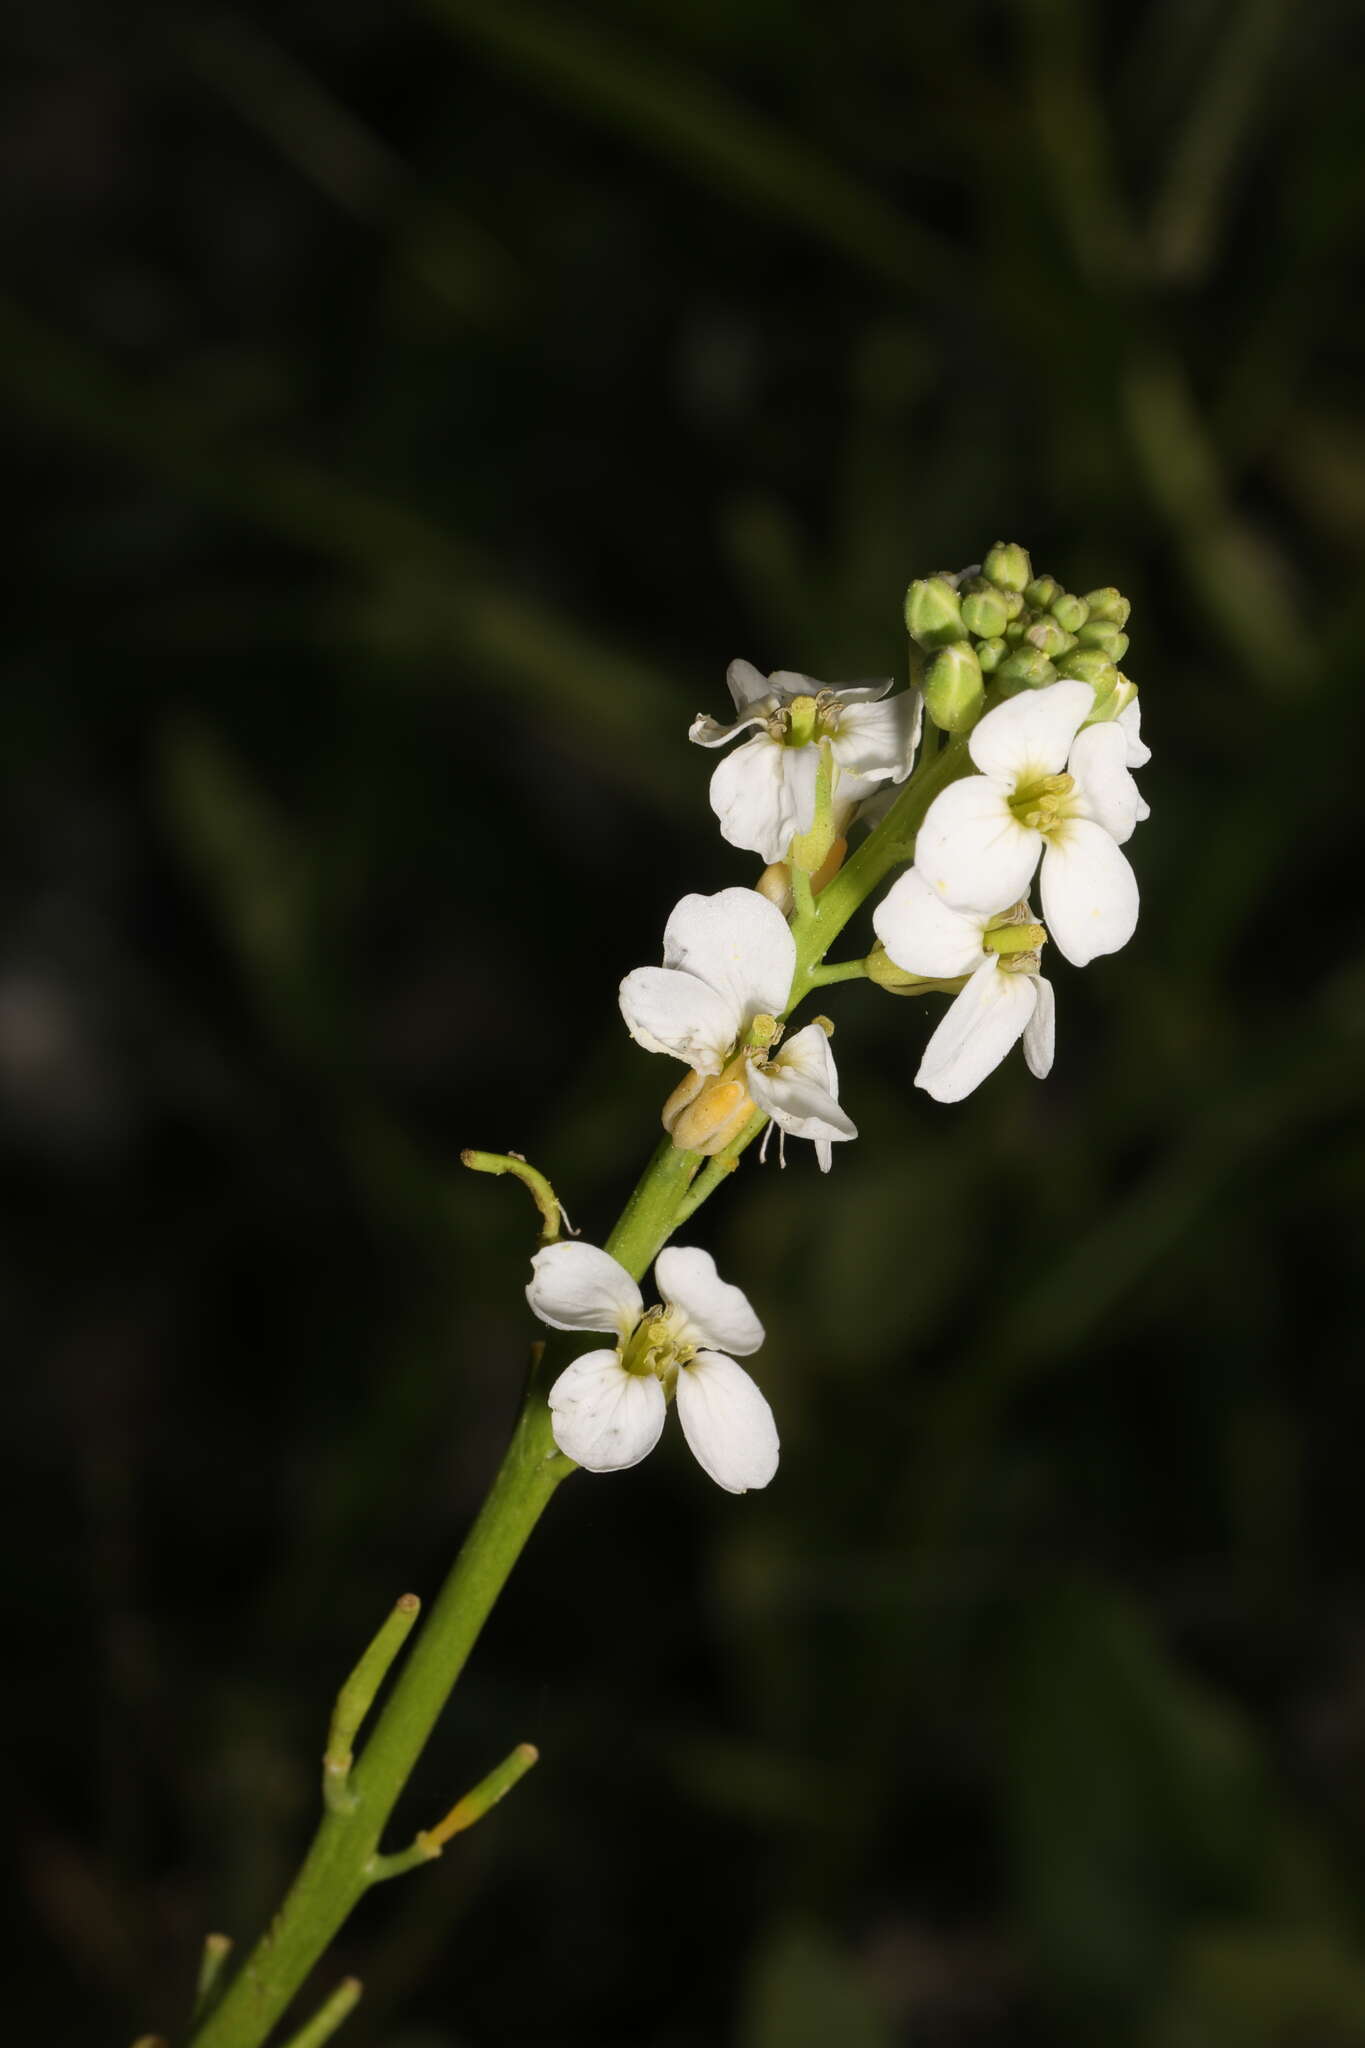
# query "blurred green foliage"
(412, 410)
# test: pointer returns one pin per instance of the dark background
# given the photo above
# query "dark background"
(411, 409)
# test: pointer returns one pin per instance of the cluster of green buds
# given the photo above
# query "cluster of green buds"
(1001, 629)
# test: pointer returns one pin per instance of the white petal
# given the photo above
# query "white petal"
(1106, 791)
(728, 1425)
(972, 850)
(604, 1417)
(1090, 894)
(705, 731)
(808, 1052)
(1031, 734)
(738, 944)
(579, 1287)
(675, 1013)
(982, 1024)
(1040, 1033)
(747, 685)
(1144, 809)
(687, 1279)
(1129, 722)
(877, 740)
(791, 684)
(763, 793)
(924, 935)
(798, 1104)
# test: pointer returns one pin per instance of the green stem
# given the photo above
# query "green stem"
(836, 970)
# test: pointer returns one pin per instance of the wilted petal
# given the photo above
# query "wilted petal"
(982, 1024)
(705, 731)
(1107, 792)
(728, 1425)
(923, 934)
(687, 1279)
(1040, 1033)
(738, 944)
(579, 1287)
(1030, 735)
(764, 793)
(1090, 894)
(877, 740)
(971, 849)
(666, 1011)
(603, 1417)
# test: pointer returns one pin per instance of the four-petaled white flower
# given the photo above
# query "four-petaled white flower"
(764, 793)
(1005, 998)
(1045, 787)
(714, 1004)
(608, 1407)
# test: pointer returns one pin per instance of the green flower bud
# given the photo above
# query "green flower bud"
(1043, 593)
(1013, 601)
(1070, 612)
(953, 689)
(882, 969)
(1025, 669)
(1049, 638)
(1100, 633)
(1108, 604)
(1017, 628)
(983, 613)
(1008, 566)
(1089, 665)
(933, 614)
(1119, 648)
(990, 653)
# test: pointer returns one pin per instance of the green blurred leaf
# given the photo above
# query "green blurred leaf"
(807, 1993)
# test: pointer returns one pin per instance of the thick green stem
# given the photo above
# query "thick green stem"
(336, 1871)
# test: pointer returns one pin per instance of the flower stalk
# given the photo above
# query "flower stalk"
(736, 968)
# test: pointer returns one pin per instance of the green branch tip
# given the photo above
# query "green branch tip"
(217, 1949)
(328, 2017)
(356, 1697)
(483, 1798)
(551, 1209)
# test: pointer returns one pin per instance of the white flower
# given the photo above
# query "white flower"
(764, 793)
(1006, 998)
(608, 1407)
(714, 1004)
(1045, 787)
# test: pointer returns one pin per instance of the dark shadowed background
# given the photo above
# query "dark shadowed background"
(411, 409)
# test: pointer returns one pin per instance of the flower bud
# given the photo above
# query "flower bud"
(1017, 628)
(1070, 612)
(1108, 604)
(933, 614)
(1008, 566)
(1013, 601)
(1089, 665)
(983, 613)
(990, 653)
(953, 689)
(1049, 638)
(882, 969)
(1100, 633)
(1024, 669)
(1043, 593)
(1119, 648)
